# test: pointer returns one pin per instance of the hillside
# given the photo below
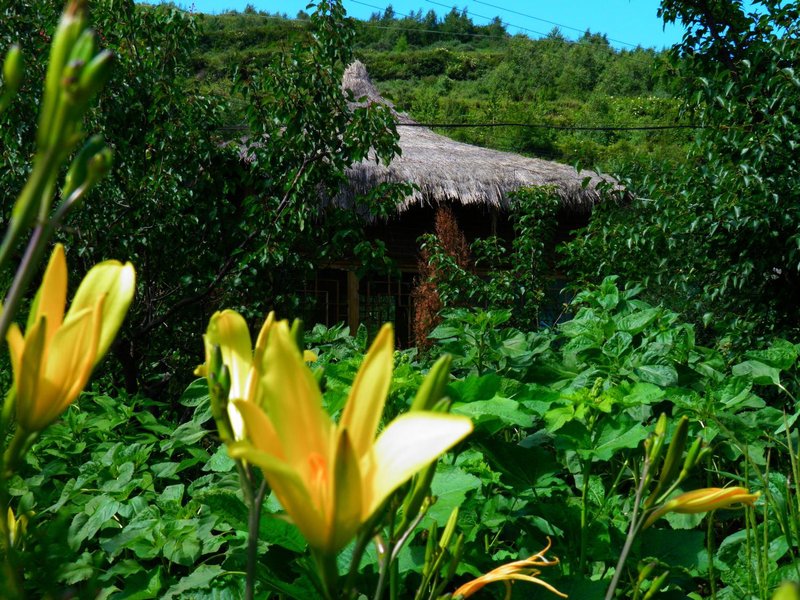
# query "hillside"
(573, 96)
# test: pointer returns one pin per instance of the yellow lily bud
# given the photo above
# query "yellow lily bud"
(227, 331)
(704, 500)
(12, 70)
(53, 360)
(17, 528)
(519, 570)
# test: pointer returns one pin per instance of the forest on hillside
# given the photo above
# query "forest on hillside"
(177, 420)
(452, 70)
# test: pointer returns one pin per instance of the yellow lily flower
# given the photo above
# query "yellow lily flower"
(704, 500)
(55, 358)
(330, 478)
(228, 330)
(519, 570)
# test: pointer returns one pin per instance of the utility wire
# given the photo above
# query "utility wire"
(492, 19)
(371, 25)
(368, 24)
(557, 127)
(549, 22)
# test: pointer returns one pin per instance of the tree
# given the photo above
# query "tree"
(203, 226)
(721, 238)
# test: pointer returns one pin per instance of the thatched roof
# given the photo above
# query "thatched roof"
(445, 170)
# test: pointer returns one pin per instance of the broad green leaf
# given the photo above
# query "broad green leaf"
(196, 394)
(96, 514)
(220, 462)
(661, 375)
(450, 486)
(617, 344)
(476, 387)
(199, 579)
(143, 586)
(493, 415)
(674, 547)
(781, 355)
(636, 322)
(183, 542)
(762, 374)
(642, 393)
(613, 435)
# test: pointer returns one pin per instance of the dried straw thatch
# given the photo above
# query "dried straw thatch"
(445, 170)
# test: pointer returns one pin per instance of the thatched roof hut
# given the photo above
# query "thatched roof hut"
(445, 170)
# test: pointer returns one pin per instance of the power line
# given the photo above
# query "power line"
(368, 24)
(375, 26)
(557, 127)
(492, 19)
(549, 22)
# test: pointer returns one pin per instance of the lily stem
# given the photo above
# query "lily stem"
(256, 501)
(587, 472)
(328, 572)
(633, 530)
(10, 578)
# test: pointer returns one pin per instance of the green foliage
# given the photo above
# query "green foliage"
(718, 238)
(561, 434)
(149, 504)
(236, 224)
(511, 279)
(454, 70)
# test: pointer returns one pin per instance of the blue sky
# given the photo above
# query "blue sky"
(625, 22)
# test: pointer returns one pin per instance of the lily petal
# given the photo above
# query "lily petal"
(16, 345)
(229, 331)
(293, 401)
(263, 335)
(28, 376)
(364, 407)
(346, 510)
(70, 360)
(115, 281)
(51, 297)
(260, 430)
(408, 444)
(254, 391)
(290, 490)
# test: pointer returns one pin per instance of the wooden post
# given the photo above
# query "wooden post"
(352, 302)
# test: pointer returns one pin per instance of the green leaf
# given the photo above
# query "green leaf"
(476, 387)
(98, 511)
(636, 322)
(781, 355)
(196, 394)
(495, 414)
(143, 586)
(614, 434)
(200, 579)
(275, 530)
(220, 462)
(761, 374)
(674, 547)
(183, 542)
(642, 394)
(617, 344)
(661, 375)
(450, 487)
